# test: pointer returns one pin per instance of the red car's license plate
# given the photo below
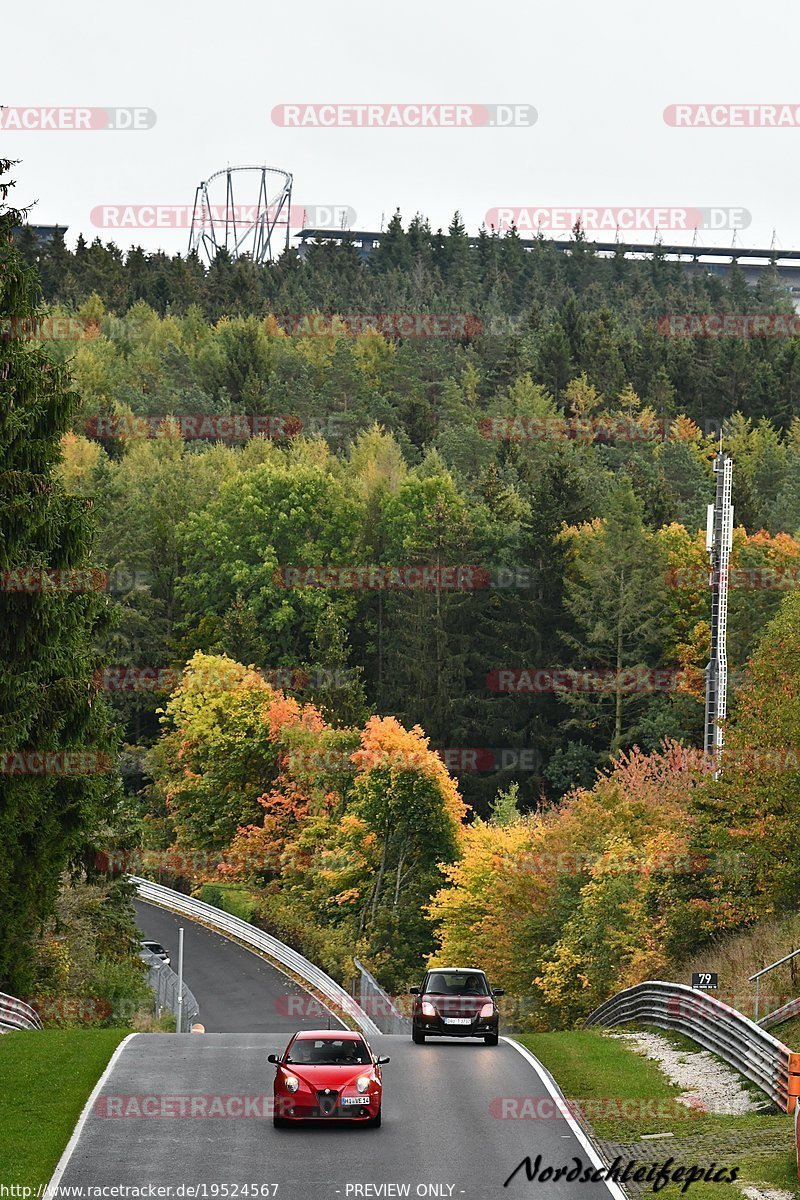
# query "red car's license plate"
(355, 1099)
(458, 1020)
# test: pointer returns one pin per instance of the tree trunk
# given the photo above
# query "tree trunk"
(398, 875)
(379, 880)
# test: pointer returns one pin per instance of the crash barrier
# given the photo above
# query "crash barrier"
(258, 940)
(379, 1003)
(164, 983)
(16, 1014)
(715, 1026)
(784, 1013)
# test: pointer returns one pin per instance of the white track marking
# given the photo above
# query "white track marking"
(595, 1159)
(82, 1119)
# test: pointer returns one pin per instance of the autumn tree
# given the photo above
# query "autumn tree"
(752, 812)
(405, 796)
(216, 757)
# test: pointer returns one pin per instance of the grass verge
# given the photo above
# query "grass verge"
(627, 1096)
(237, 901)
(47, 1076)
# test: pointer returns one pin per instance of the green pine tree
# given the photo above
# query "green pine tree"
(48, 618)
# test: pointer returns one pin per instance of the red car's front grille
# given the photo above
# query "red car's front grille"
(327, 1100)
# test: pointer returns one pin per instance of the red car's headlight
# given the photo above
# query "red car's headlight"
(427, 1009)
(291, 1083)
(487, 1010)
(363, 1082)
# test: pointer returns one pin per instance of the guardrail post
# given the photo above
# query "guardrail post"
(794, 1082)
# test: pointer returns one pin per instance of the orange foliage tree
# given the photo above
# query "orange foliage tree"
(339, 833)
(582, 892)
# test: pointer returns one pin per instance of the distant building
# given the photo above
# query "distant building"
(708, 260)
(44, 233)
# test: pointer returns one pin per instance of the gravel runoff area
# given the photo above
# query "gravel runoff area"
(754, 1193)
(707, 1083)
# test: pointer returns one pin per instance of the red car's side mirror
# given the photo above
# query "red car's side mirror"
(413, 991)
(384, 1058)
(273, 1058)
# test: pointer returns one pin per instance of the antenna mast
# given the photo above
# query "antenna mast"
(719, 535)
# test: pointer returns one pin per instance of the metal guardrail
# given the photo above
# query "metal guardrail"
(164, 983)
(779, 1015)
(257, 939)
(715, 1026)
(16, 1014)
(379, 1004)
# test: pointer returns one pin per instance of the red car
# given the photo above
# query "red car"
(327, 1075)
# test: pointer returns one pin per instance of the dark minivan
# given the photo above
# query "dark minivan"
(455, 1002)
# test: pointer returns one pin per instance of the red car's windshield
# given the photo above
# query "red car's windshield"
(328, 1052)
(451, 983)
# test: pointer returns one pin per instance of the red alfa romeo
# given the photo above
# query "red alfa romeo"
(327, 1075)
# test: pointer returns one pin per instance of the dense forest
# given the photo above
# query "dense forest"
(426, 660)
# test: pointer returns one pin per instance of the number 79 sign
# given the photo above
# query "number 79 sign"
(705, 980)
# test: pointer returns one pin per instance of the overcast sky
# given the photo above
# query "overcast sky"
(598, 75)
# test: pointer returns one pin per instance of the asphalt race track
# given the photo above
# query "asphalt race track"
(437, 1126)
(441, 1135)
(237, 991)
